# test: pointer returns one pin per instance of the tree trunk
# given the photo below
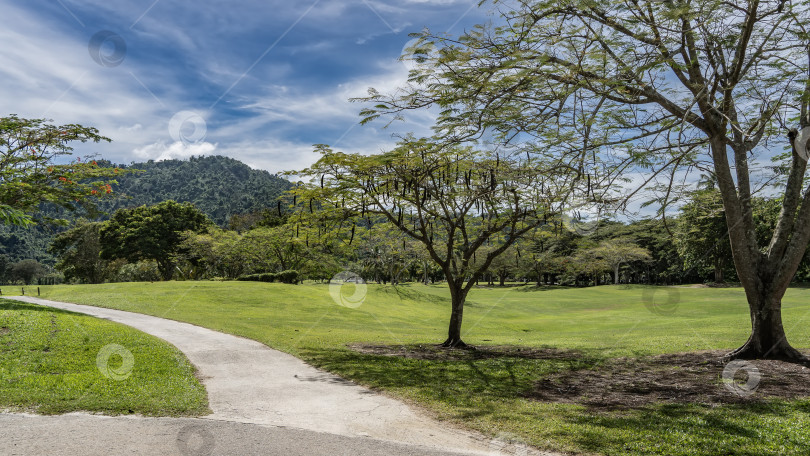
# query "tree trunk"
(458, 296)
(718, 271)
(426, 272)
(616, 274)
(502, 280)
(767, 339)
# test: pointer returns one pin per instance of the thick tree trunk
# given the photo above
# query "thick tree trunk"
(458, 296)
(616, 275)
(767, 339)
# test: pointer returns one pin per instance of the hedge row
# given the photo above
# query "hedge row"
(289, 276)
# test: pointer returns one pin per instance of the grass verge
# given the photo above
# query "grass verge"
(53, 361)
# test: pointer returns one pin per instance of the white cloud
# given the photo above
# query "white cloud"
(176, 150)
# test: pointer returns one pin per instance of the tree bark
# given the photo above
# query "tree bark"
(767, 339)
(458, 296)
(616, 275)
(765, 278)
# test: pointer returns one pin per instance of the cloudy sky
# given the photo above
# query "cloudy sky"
(260, 81)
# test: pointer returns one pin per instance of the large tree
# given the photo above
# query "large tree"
(79, 252)
(151, 233)
(453, 200)
(32, 168)
(646, 87)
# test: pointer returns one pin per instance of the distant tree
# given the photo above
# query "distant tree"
(618, 252)
(5, 268)
(452, 200)
(32, 172)
(151, 233)
(701, 233)
(216, 252)
(27, 271)
(79, 252)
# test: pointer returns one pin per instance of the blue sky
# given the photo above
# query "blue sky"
(259, 81)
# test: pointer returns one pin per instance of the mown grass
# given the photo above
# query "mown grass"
(50, 364)
(491, 394)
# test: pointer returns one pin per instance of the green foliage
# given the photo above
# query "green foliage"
(702, 234)
(151, 233)
(79, 252)
(27, 270)
(450, 199)
(223, 188)
(142, 271)
(261, 277)
(31, 171)
(289, 277)
(220, 187)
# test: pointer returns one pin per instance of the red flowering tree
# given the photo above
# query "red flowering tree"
(33, 168)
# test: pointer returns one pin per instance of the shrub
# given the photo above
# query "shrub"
(263, 277)
(288, 276)
(142, 271)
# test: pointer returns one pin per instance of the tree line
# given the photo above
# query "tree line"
(178, 241)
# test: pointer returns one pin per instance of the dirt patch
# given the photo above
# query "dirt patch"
(438, 353)
(676, 378)
(630, 383)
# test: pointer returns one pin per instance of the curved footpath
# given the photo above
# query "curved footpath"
(264, 402)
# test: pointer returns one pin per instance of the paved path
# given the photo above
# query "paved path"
(249, 383)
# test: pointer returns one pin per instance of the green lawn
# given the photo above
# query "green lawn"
(53, 361)
(490, 394)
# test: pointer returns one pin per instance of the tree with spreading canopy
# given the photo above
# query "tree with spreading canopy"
(31, 172)
(454, 200)
(652, 89)
(151, 233)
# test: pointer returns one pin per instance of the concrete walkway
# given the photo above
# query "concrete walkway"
(249, 383)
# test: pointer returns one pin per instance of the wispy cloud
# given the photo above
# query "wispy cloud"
(182, 56)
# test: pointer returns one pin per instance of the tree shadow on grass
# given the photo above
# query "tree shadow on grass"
(474, 384)
(742, 429)
(7, 304)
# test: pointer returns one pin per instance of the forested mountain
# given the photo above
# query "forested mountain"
(219, 186)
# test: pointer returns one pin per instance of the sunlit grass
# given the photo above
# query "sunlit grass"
(52, 361)
(490, 394)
